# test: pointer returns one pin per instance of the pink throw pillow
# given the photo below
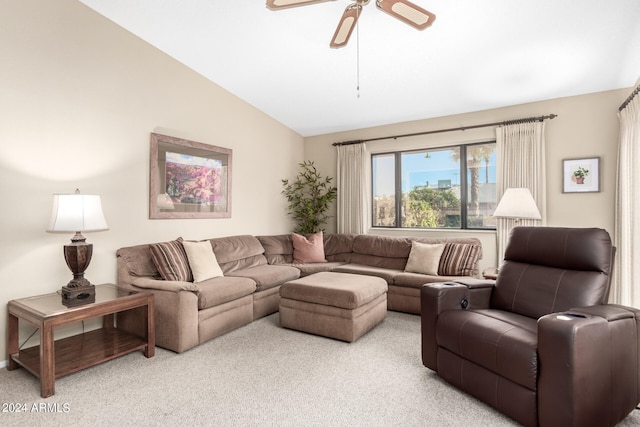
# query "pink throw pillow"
(308, 250)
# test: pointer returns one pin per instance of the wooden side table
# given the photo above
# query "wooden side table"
(490, 273)
(53, 359)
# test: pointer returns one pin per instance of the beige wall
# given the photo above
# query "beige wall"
(586, 126)
(79, 97)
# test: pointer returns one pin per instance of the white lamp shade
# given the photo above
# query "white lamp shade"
(517, 203)
(76, 213)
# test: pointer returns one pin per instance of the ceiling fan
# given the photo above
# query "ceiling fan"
(403, 10)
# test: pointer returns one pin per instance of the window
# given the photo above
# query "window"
(452, 187)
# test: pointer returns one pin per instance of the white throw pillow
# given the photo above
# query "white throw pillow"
(424, 258)
(202, 260)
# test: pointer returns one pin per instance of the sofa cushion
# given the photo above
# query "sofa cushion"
(338, 247)
(459, 259)
(308, 249)
(221, 290)
(387, 274)
(424, 258)
(278, 249)
(381, 251)
(267, 276)
(316, 267)
(202, 260)
(171, 261)
(238, 252)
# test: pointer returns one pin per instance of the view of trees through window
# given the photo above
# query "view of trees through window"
(452, 187)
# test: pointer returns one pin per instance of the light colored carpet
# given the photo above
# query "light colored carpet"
(262, 375)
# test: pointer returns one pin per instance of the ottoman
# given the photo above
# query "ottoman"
(335, 305)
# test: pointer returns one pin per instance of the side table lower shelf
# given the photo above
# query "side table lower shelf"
(56, 358)
(82, 351)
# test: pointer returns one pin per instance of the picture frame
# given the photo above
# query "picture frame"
(581, 175)
(188, 179)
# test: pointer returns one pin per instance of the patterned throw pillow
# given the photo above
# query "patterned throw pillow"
(459, 259)
(171, 261)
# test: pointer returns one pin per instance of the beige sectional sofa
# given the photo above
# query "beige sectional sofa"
(381, 256)
(254, 267)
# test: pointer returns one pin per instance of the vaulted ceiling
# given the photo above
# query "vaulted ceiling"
(478, 54)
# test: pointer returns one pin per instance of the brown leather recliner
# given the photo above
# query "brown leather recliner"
(539, 344)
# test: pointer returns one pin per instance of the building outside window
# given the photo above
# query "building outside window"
(449, 187)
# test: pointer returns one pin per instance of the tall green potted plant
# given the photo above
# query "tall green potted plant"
(309, 196)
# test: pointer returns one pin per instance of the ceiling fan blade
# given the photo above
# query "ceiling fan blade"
(407, 12)
(345, 26)
(282, 4)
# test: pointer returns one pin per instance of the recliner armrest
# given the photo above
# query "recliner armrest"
(438, 297)
(479, 295)
(472, 283)
(610, 312)
(434, 299)
(588, 360)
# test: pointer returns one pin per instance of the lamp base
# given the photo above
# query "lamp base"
(78, 295)
(79, 290)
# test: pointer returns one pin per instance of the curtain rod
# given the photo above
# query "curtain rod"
(629, 98)
(508, 122)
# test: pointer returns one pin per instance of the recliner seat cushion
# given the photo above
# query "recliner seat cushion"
(502, 342)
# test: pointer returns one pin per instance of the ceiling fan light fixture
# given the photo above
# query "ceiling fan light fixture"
(345, 26)
(407, 12)
(281, 4)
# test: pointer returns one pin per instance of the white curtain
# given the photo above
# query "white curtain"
(626, 287)
(353, 194)
(521, 164)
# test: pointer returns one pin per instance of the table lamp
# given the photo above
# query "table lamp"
(77, 213)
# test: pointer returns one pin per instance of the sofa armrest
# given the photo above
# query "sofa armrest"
(176, 314)
(164, 285)
(588, 360)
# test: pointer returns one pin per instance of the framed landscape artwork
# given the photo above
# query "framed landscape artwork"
(188, 179)
(581, 175)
